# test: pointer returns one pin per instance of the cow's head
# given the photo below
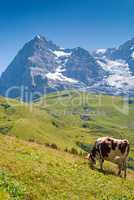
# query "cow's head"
(91, 158)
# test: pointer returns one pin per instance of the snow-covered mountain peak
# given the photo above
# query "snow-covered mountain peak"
(42, 65)
(40, 38)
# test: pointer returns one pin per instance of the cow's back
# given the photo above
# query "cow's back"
(114, 150)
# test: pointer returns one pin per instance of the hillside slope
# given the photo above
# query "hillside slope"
(32, 171)
(41, 147)
(68, 117)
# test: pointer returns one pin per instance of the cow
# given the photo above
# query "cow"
(110, 149)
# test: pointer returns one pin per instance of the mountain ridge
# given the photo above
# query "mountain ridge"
(42, 66)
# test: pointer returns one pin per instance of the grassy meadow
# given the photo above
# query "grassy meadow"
(42, 147)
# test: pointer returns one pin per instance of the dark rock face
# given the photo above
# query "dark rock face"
(83, 67)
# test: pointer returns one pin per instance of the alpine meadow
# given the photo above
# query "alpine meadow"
(43, 146)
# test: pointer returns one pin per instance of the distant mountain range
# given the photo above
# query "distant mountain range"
(41, 67)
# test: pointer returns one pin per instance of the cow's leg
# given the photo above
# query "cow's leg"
(125, 169)
(120, 168)
(101, 161)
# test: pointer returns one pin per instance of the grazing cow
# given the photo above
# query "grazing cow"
(113, 150)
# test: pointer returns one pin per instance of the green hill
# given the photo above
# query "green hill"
(42, 144)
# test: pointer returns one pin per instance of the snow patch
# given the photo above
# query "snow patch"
(38, 36)
(61, 54)
(119, 76)
(132, 48)
(122, 82)
(132, 55)
(58, 76)
(113, 65)
(101, 51)
(61, 48)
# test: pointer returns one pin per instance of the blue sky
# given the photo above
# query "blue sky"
(69, 23)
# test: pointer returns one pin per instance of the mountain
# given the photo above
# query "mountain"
(41, 67)
(119, 65)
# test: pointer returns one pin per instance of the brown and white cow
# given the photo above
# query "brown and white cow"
(110, 149)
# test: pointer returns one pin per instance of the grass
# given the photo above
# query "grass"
(10, 187)
(41, 173)
(36, 141)
(58, 118)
